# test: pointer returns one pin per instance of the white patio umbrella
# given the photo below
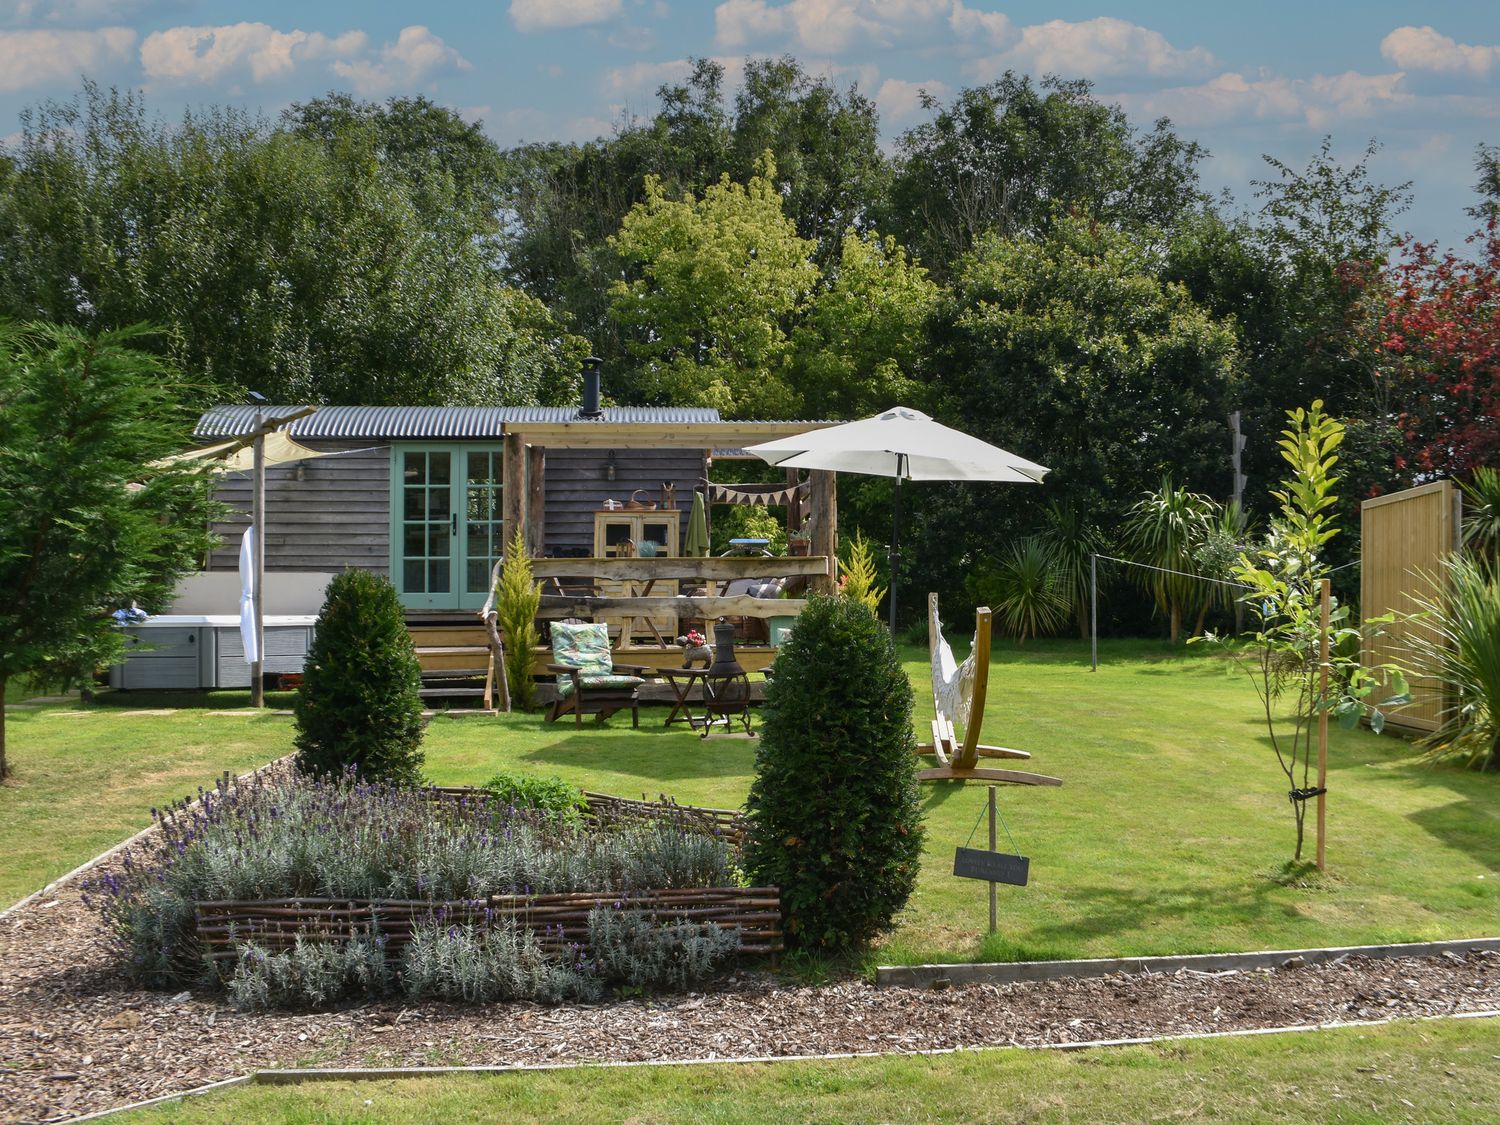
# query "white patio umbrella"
(905, 444)
(249, 634)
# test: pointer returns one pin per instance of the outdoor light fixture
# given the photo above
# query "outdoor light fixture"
(609, 466)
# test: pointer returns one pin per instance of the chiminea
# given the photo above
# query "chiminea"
(726, 685)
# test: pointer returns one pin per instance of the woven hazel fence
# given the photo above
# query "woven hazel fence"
(557, 920)
(605, 809)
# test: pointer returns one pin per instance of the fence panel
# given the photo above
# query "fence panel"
(1404, 538)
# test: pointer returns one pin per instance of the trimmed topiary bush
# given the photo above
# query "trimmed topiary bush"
(835, 819)
(360, 706)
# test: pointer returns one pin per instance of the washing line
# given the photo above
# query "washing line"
(1094, 591)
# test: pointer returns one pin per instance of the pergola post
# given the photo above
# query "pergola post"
(536, 500)
(823, 500)
(513, 469)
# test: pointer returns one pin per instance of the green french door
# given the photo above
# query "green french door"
(447, 531)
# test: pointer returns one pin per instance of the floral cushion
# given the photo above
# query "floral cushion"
(583, 646)
(565, 683)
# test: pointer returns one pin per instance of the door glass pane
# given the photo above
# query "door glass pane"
(654, 533)
(484, 529)
(426, 534)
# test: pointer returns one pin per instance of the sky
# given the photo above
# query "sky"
(1244, 79)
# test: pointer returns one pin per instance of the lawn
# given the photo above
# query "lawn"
(85, 778)
(1169, 835)
(1437, 1071)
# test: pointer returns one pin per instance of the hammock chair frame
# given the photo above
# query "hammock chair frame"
(959, 759)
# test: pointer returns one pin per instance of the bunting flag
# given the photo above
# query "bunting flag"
(758, 494)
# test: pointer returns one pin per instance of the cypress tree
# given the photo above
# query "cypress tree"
(360, 705)
(835, 817)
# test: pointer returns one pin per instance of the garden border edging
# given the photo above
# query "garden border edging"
(291, 1076)
(1015, 972)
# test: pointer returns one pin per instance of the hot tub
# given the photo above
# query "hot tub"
(189, 651)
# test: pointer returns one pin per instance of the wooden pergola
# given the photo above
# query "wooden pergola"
(525, 456)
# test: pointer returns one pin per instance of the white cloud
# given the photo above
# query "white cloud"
(529, 124)
(644, 77)
(262, 53)
(35, 57)
(1424, 48)
(1094, 48)
(414, 55)
(899, 99)
(969, 24)
(826, 25)
(209, 54)
(549, 15)
(1317, 101)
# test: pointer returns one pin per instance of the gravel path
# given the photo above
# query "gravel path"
(74, 1040)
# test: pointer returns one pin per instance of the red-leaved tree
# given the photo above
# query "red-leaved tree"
(1440, 336)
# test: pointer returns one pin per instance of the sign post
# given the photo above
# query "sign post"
(992, 866)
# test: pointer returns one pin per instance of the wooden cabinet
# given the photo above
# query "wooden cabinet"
(635, 534)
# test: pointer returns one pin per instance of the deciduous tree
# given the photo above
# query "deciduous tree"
(1440, 340)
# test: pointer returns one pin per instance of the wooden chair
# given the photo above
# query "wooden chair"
(958, 696)
(588, 679)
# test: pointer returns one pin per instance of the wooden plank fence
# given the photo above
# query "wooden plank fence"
(1404, 538)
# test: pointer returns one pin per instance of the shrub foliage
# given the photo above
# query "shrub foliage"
(835, 819)
(518, 596)
(360, 706)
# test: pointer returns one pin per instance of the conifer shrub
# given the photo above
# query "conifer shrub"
(360, 707)
(518, 596)
(835, 819)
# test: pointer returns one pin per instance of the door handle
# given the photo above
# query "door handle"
(455, 523)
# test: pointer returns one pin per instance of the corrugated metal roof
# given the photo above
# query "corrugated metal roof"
(365, 422)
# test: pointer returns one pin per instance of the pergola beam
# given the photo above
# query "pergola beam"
(620, 435)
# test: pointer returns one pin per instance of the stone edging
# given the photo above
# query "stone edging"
(299, 1076)
(1014, 972)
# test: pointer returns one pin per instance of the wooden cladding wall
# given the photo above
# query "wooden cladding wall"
(1404, 538)
(338, 515)
(578, 485)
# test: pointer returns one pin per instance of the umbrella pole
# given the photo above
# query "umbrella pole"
(896, 541)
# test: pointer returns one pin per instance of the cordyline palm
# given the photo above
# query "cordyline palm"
(1482, 513)
(1458, 641)
(1164, 530)
(1069, 539)
(1024, 591)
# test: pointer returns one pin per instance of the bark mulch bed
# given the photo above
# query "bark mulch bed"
(74, 1039)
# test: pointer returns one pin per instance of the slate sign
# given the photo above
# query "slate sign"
(992, 867)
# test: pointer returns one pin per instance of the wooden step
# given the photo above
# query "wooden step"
(458, 635)
(452, 650)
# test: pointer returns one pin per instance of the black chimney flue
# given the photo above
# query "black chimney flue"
(589, 407)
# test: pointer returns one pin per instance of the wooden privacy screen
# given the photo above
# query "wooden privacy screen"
(1404, 538)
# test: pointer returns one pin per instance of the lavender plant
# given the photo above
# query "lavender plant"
(483, 964)
(296, 836)
(311, 973)
(630, 947)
